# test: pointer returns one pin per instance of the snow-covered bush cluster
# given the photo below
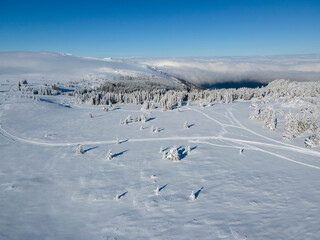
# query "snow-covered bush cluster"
(297, 125)
(313, 140)
(266, 114)
(45, 89)
(293, 95)
(142, 118)
(175, 154)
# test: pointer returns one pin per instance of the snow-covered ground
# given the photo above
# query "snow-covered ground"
(248, 182)
(47, 67)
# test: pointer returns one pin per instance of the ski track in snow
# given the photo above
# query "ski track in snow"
(288, 146)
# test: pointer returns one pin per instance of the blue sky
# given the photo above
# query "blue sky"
(161, 28)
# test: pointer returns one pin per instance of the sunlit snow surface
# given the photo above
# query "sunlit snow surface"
(48, 191)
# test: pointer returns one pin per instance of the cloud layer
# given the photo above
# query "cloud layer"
(209, 71)
(201, 71)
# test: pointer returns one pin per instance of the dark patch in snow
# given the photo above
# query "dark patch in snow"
(120, 153)
(193, 148)
(231, 84)
(123, 141)
(198, 192)
(164, 186)
(150, 119)
(89, 149)
(182, 152)
(122, 195)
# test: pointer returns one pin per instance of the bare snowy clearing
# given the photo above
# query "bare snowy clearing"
(237, 181)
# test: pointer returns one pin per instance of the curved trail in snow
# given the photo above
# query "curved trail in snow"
(213, 119)
(283, 145)
(235, 140)
(288, 146)
(253, 148)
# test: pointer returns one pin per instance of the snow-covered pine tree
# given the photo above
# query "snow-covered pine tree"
(290, 130)
(192, 196)
(80, 150)
(161, 149)
(129, 118)
(255, 114)
(109, 155)
(270, 121)
(173, 154)
(157, 190)
(143, 118)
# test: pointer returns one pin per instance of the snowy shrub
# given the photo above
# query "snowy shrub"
(309, 121)
(255, 114)
(173, 154)
(129, 118)
(264, 114)
(192, 196)
(109, 155)
(188, 149)
(270, 120)
(290, 130)
(143, 118)
(161, 149)
(157, 190)
(313, 140)
(80, 150)
(296, 126)
(145, 105)
(117, 197)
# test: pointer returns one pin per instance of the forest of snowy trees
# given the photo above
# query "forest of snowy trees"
(168, 98)
(171, 94)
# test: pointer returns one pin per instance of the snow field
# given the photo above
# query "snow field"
(48, 191)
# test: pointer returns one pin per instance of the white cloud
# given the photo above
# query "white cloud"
(203, 71)
(232, 69)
